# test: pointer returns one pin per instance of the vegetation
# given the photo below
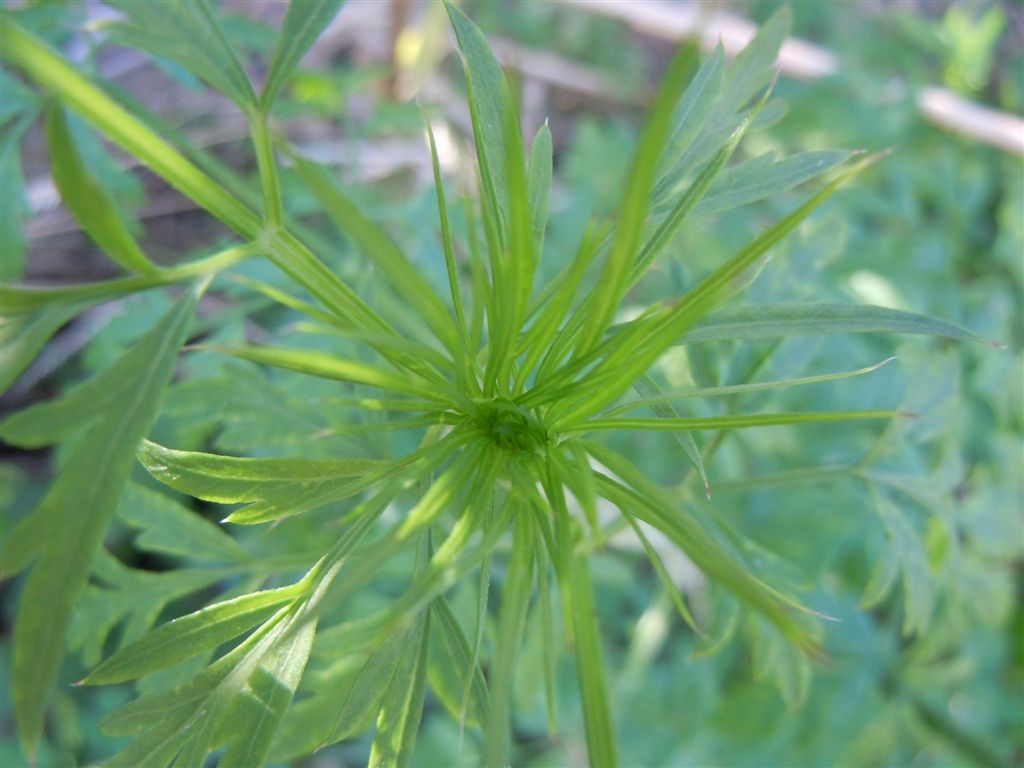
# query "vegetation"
(430, 463)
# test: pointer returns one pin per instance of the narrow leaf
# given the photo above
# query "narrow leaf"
(77, 509)
(774, 320)
(597, 715)
(303, 24)
(88, 202)
(189, 635)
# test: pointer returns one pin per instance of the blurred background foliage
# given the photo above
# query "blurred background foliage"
(911, 540)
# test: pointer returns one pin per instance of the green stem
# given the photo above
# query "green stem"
(261, 140)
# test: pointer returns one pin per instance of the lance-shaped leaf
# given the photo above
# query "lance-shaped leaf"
(90, 203)
(332, 367)
(452, 670)
(515, 603)
(490, 103)
(189, 635)
(738, 421)
(402, 706)
(303, 23)
(635, 201)
(258, 709)
(77, 509)
(188, 34)
(764, 177)
(597, 715)
(814, 319)
(272, 488)
(23, 338)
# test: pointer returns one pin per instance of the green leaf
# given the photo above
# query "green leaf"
(329, 366)
(597, 715)
(402, 706)
(20, 299)
(453, 669)
(170, 528)
(652, 505)
(647, 388)
(89, 202)
(490, 107)
(538, 183)
(23, 338)
(77, 509)
(813, 319)
(12, 188)
(187, 33)
(764, 177)
(271, 487)
(258, 709)
(54, 73)
(373, 242)
(362, 703)
(635, 201)
(302, 25)
(189, 635)
(740, 421)
(910, 553)
(736, 389)
(515, 602)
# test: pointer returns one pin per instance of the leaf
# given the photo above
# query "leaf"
(490, 107)
(375, 243)
(452, 668)
(189, 635)
(332, 367)
(648, 389)
(515, 601)
(813, 319)
(12, 186)
(741, 421)
(691, 534)
(89, 202)
(77, 509)
(23, 338)
(187, 33)
(634, 207)
(170, 528)
(597, 716)
(538, 183)
(764, 177)
(259, 708)
(402, 706)
(274, 488)
(362, 703)
(303, 24)
(912, 557)
(54, 73)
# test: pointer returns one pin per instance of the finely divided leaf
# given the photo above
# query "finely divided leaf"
(170, 528)
(303, 23)
(77, 510)
(186, 32)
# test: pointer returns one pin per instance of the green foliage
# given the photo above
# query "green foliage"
(424, 470)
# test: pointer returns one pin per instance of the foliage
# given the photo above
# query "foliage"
(437, 441)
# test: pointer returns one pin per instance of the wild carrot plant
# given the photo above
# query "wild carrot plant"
(508, 386)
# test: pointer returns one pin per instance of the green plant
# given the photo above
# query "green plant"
(500, 394)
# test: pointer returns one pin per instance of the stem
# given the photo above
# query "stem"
(261, 140)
